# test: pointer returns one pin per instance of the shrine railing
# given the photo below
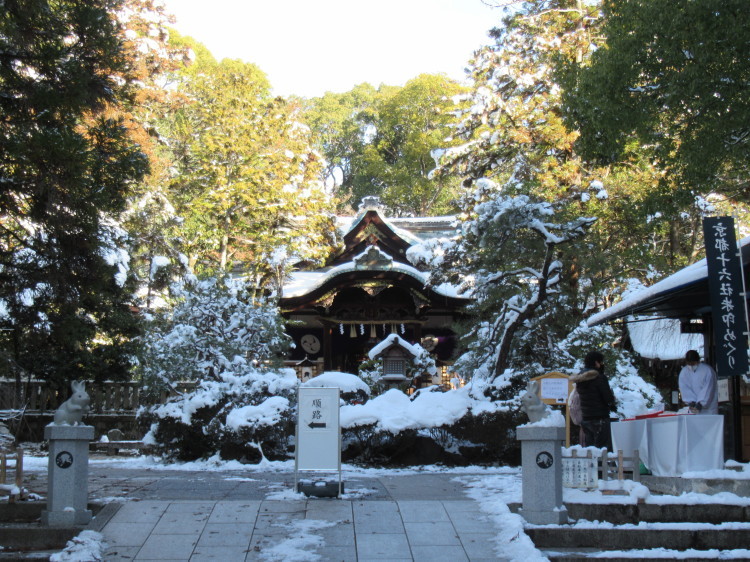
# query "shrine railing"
(108, 397)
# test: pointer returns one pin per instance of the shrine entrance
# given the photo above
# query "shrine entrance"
(368, 291)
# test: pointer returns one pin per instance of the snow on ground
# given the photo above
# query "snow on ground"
(301, 544)
(88, 546)
(493, 495)
(666, 554)
(493, 488)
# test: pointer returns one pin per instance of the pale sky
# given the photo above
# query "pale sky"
(308, 47)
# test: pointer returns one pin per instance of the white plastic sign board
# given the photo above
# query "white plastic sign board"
(318, 429)
(555, 389)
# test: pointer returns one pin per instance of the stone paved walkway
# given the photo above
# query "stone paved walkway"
(420, 530)
(238, 516)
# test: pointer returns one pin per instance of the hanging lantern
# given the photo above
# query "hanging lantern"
(373, 331)
(352, 332)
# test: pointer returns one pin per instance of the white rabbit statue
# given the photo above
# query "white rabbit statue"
(532, 405)
(71, 411)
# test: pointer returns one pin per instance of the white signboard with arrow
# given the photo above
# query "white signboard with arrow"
(318, 430)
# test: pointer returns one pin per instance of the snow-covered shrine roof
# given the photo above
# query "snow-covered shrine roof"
(374, 243)
(304, 282)
(392, 339)
(412, 229)
(682, 294)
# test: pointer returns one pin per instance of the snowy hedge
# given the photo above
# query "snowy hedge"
(455, 427)
(230, 346)
(247, 417)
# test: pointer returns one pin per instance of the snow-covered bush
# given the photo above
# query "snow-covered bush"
(230, 347)
(371, 372)
(248, 417)
(456, 427)
(353, 389)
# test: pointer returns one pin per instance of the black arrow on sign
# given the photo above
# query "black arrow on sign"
(313, 425)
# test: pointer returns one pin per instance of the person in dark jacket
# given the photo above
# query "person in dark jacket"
(597, 401)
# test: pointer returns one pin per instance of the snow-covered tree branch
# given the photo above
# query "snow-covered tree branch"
(508, 255)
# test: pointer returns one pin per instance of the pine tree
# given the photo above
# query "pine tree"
(507, 256)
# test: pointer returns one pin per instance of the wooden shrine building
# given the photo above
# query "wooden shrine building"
(367, 291)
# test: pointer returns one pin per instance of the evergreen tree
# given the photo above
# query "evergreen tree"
(508, 257)
(340, 124)
(156, 55)
(515, 131)
(65, 168)
(674, 76)
(380, 142)
(409, 123)
(248, 183)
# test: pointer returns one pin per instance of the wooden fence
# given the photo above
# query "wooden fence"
(108, 397)
(28, 409)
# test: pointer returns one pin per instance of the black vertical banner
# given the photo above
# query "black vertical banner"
(727, 298)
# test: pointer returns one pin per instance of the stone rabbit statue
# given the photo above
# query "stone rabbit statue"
(532, 405)
(71, 411)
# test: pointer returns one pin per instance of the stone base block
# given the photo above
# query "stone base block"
(66, 518)
(556, 517)
(320, 489)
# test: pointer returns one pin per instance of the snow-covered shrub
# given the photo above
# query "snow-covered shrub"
(353, 389)
(456, 427)
(371, 372)
(230, 346)
(246, 417)
(214, 328)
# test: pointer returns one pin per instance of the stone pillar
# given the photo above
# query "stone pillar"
(541, 460)
(68, 472)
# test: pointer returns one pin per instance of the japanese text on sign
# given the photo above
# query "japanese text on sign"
(725, 287)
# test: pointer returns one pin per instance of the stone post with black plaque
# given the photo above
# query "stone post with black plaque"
(67, 493)
(541, 459)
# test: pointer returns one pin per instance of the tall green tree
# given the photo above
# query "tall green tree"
(249, 186)
(66, 166)
(156, 56)
(674, 76)
(340, 123)
(515, 132)
(513, 129)
(408, 125)
(380, 142)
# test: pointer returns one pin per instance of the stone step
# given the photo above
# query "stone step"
(603, 539)
(30, 537)
(621, 514)
(582, 555)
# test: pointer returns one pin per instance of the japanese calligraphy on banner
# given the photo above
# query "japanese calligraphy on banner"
(727, 298)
